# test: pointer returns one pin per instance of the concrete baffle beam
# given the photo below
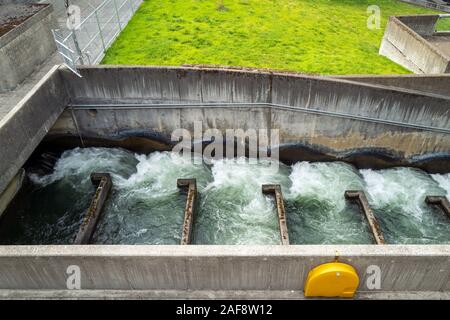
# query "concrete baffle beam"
(191, 185)
(441, 202)
(275, 189)
(361, 199)
(87, 229)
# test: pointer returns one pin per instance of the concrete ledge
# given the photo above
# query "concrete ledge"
(438, 84)
(204, 295)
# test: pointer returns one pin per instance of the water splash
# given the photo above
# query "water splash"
(233, 209)
(398, 199)
(317, 211)
(146, 207)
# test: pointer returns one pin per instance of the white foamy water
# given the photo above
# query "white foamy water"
(318, 211)
(146, 207)
(398, 199)
(444, 182)
(233, 209)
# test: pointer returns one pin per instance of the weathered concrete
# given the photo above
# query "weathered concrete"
(11, 190)
(205, 295)
(24, 127)
(281, 213)
(404, 269)
(26, 47)
(324, 114)
(426, 83)
(404, 43)
(191, 185)
(104, 184)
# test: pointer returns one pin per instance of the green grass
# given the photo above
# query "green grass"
(443, 25)
(311, 36)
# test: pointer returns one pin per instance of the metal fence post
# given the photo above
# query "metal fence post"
(77, 46)
(100, 31)
(118, 15)
(132, 7)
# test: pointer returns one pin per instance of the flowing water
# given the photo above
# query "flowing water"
(397, 197)
(146, 207)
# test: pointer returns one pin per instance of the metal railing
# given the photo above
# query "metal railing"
(90, 39)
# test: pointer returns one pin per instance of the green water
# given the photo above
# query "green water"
(146, 207)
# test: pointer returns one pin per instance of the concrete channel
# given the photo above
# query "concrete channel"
(370, 124)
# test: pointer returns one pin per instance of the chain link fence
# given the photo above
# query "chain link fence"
(86, 43)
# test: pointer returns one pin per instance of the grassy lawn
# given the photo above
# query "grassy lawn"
(312, 36)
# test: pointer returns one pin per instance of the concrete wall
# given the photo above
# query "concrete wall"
(403, 43)
(437, 84)
(25, 47)
(340, 130)
(23, 128)
(411, 268)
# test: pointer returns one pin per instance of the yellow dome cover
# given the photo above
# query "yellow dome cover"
(334, 279)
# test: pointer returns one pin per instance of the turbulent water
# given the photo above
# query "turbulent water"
(146, 207)
(317, 211)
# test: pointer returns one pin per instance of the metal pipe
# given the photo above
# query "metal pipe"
(100, 30)
(361, 199)
(440, 201)
(191, 185)
(275, 189)
(118, 15)
(125, 106)
(87, 229)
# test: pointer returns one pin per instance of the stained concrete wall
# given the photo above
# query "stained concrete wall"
(23, 128)
(297, 123)
(437, 84)
(403, 43)
(25, 47)
(411, 268)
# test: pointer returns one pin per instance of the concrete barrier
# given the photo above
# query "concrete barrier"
(25, 47)
(412, 270)
(24, 127)
(404, 43)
